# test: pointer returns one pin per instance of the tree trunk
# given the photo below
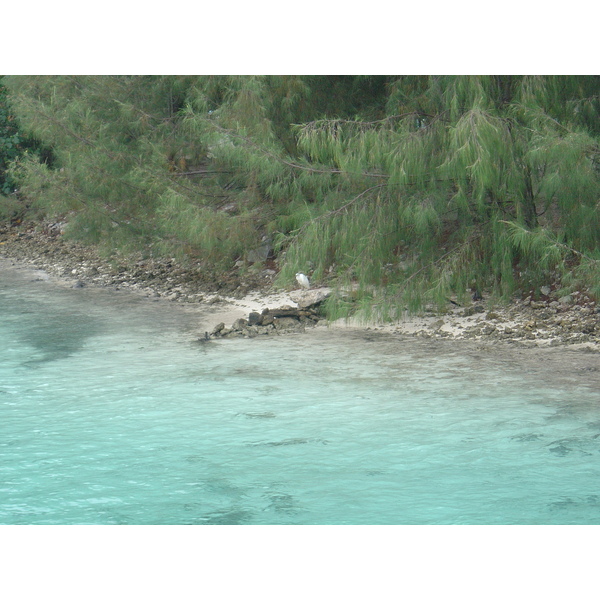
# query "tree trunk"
(529, 209)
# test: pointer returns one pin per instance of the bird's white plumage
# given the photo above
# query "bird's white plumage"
(302, 279)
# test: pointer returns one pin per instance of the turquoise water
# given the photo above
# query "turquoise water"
(112, 413)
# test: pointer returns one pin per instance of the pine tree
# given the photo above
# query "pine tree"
(124, 167)
(402, 190)
(458, 165)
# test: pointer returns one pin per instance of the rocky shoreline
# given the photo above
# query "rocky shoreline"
(247, 303)
(526, 323)
(285, 319)
(249, 306)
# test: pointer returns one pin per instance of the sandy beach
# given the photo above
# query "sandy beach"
(571, 320)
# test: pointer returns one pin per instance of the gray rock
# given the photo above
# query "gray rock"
(438, 325)
(251, 331)
(255, 318)
(267, 319)
(261, 253)
(308, 298)
(218, 329)
(474, 309)
(568, 299)
(287, 323)
(239, 324)
(265, 329)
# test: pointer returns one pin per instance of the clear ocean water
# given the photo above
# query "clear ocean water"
(111, 412)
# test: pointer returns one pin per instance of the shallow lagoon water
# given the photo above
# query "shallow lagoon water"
(112, 413)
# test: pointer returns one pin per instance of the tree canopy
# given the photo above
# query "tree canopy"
(406, 190)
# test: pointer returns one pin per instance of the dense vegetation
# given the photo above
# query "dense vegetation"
(12, 145)
(406, 189)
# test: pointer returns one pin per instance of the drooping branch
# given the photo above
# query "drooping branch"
(249, 142)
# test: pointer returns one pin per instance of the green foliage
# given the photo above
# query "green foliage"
(551, 254)
(13, 145)
(10, 142)
(125, 168)
(466, 157)
(404, 191)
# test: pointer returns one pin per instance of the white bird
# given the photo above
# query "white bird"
(302, 279)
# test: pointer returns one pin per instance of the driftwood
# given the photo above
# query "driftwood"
(283, 312)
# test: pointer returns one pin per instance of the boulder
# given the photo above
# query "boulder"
(267, 319)
(239, 324)
(218, 329)
(260, 254)
(308, 298)
(255, 318)
(288, 323)
(250, 331)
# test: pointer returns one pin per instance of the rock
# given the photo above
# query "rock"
(255, 318)
(287, 323)
(545, 290)
(438, 325)
(468, 312)
(587, 327)
(308, 298)
(251, 331)
(218, 329)
(267, 319)
(239, 324)
(568, 299)
(261, 253)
